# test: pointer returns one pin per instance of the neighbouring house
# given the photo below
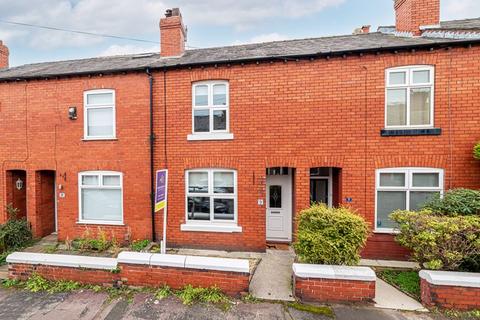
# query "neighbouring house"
(251, 134)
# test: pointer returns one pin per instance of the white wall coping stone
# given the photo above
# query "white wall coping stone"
(168, 260)
(134, 257)
(451, 278)
(333, 272)
(219, 264)
(63, 260)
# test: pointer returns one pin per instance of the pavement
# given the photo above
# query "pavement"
(87, 305)
(272, 279)
(389, 297)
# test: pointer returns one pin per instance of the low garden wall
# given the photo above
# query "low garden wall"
(450, 290)
(232, 276)
(328, 283)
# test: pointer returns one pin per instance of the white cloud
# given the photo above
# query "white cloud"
(268, 37)
(138, 18)
(245, 14)
(460, 9)
(115, 50)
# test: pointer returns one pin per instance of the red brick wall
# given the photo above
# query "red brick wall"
(85, 276)
(329, 290)
(4, 56)
(319, 113)
(39, 136)
(449, 297)
(311, 114)
(231, 283)
(411, 14)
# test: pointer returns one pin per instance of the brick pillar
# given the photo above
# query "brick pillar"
(33, 183)
(301, 185)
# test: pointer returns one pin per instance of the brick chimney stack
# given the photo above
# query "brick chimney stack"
(4, 54)
(173, 34)
(412, 14)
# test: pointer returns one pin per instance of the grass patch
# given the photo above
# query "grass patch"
(462, 315)
(406, 281)
(163, 292)
(249, 298)
(322, 310)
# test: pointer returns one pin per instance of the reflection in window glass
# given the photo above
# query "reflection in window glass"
(201, 121)
(198, 208)
(397, 78)
(275, 199)
(392, 179)
(201, 96)
(387, 202)
(223, 182)
(223, 209)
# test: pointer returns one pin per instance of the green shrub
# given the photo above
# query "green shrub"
(476, 151)
(15, 233)
(455, 202)
(330, 235)
(439, 242)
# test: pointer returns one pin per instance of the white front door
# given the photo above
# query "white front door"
(279, 207)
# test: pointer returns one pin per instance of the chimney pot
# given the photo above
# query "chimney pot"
(410, 15)
(173, 33)
(4, 56)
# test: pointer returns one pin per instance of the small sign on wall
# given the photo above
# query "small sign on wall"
(348, 200)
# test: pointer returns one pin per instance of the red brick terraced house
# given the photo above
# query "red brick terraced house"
(250, 134)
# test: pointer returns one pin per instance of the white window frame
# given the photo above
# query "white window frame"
(212, 225)
(100, 185)
(408, 171)
(87, 106)
(211, 134)
(329, 179)
(408, 86)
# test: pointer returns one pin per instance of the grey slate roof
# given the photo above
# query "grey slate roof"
(277, 49)
(465, 24)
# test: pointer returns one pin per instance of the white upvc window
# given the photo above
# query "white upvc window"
(409, 97)
(210, 109)
(100, 197)
(403, 189)
(211, 199)
(99, 114)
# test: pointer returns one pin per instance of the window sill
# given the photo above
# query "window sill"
(99, 222)
(210, 228)
(210, 136)
(100, 139)
(411, 132)
(386, 231)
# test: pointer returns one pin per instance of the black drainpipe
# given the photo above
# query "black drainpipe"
(152, 167)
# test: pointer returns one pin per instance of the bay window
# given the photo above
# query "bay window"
(409, 97)
(404, 189)
(100, 197)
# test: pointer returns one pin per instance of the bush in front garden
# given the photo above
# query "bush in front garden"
(455, 202)
(440, 242)
(330, 235)
(15, 233)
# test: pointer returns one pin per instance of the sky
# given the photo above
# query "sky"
(210, 23)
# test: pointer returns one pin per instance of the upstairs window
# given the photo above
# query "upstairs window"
(99, 114)
(210, 107)
(409, 97)
(404, 189)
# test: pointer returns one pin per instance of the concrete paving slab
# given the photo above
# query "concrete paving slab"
(343, 312)
(389, 297)
(272, 279)
(83, 305)
(18, 304)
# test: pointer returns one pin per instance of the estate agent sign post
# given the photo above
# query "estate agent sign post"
(161, 203)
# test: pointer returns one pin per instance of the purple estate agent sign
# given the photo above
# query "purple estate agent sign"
(161, 190)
